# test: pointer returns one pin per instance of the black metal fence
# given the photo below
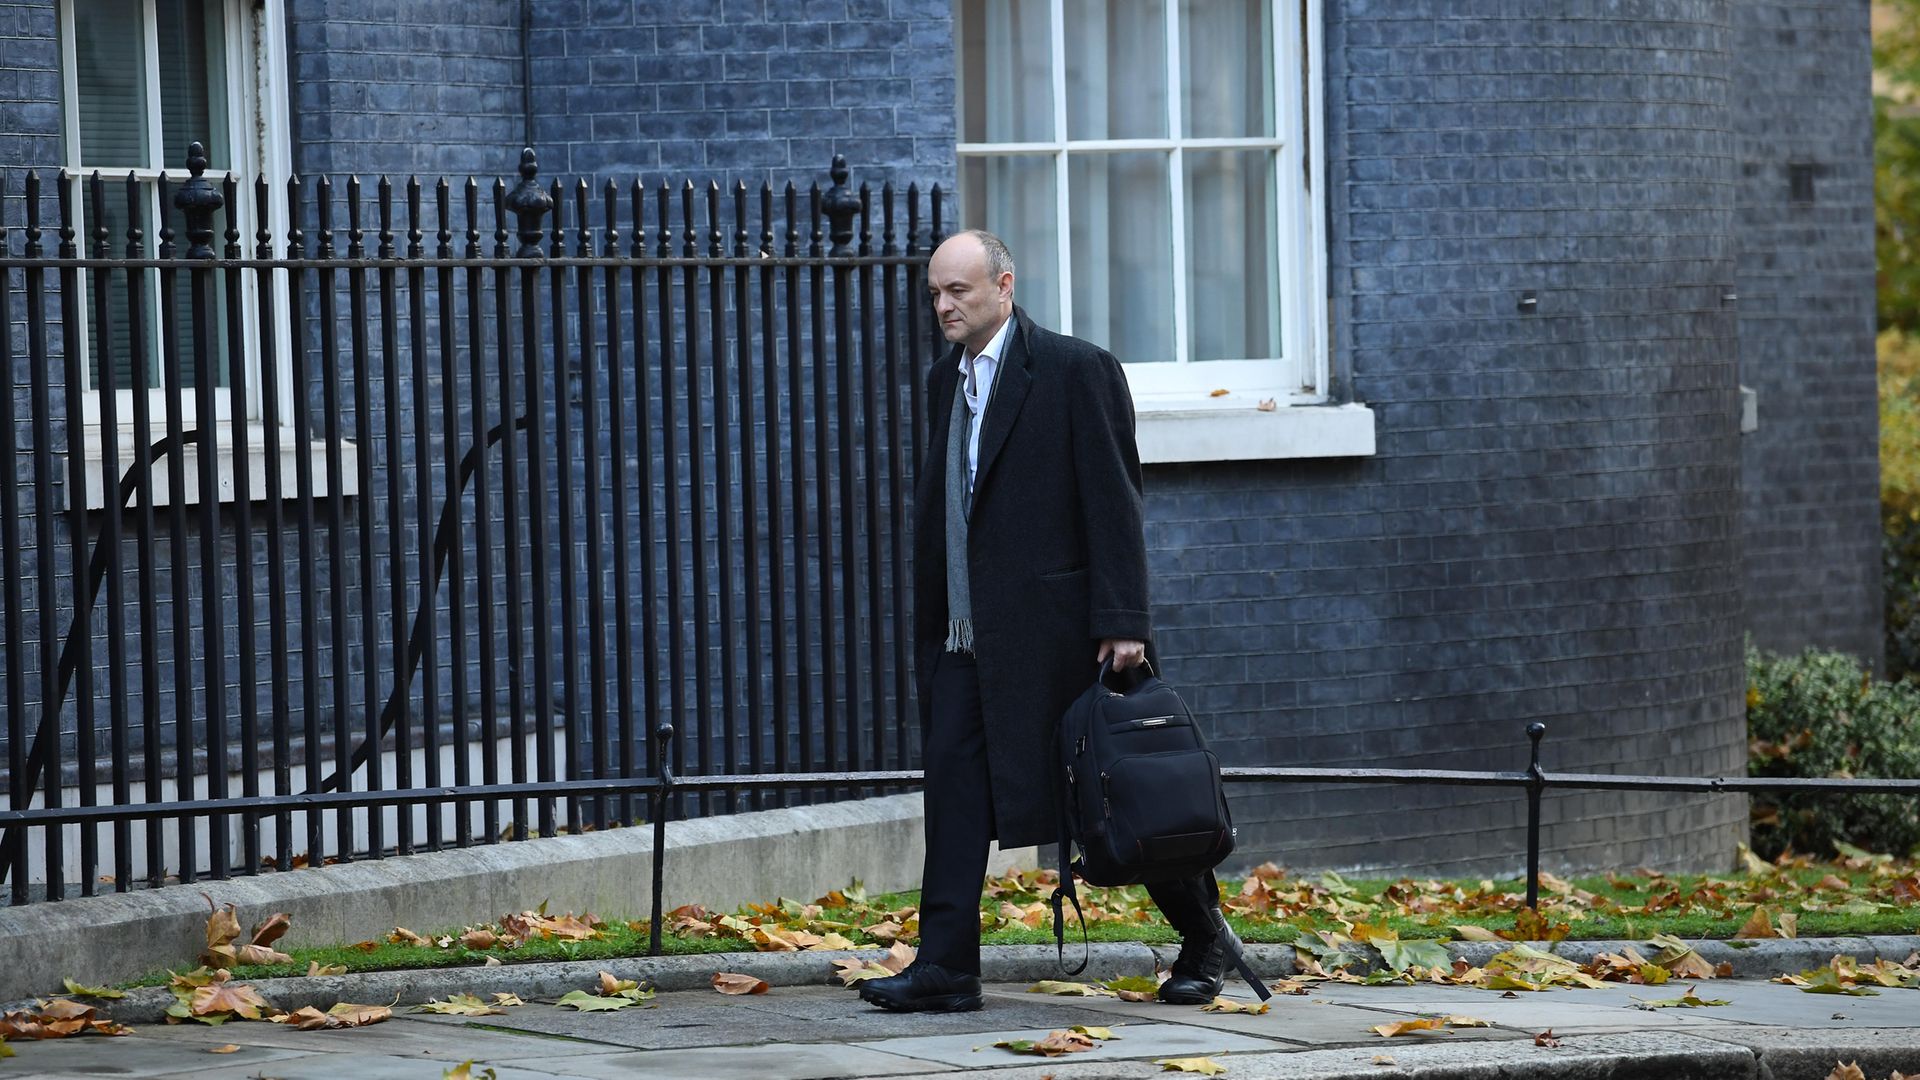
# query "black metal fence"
(405, 534)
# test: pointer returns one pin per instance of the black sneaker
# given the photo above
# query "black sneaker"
(1199, 973)
(924, 987)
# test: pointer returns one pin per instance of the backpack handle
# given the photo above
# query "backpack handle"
(1106, 669)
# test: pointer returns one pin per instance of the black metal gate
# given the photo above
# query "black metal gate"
(375, 541)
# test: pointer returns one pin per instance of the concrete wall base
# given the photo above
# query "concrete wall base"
(720, 862)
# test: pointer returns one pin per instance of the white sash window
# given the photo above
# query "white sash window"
(1151, 164)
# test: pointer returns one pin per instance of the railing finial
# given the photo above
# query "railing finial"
(198, 199)
(841, 204)
(529, 204)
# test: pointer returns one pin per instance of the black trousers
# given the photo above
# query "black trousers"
(959, 820)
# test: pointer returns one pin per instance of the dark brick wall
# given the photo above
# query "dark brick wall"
(425, 86)
(1550, 530)
(753, 90)
(1811, 472)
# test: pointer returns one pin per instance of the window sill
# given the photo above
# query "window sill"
(1174, 431)
(256, 459)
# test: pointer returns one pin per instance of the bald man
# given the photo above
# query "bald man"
(1030, 570)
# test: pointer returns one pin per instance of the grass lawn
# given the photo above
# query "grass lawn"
(1851, 895)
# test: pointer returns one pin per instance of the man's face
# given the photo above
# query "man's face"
(967, 300)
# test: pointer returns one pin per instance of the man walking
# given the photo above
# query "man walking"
(1029, 571)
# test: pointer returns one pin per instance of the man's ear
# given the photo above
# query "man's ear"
(1006, 285)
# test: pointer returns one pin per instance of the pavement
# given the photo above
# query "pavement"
(804, 1030)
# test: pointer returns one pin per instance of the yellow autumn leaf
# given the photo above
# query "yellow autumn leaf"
(1228, 1005)
(1408, 1027)
(1201, 1065)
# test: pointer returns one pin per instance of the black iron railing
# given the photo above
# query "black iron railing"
(351, 519)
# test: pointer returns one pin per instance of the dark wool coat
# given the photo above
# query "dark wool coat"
(1057, 558)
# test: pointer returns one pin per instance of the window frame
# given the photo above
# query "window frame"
(257, 131)
(1300, 374)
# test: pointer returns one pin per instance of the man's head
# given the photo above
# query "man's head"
(971, 282)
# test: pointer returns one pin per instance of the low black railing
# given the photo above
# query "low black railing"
(446, 476)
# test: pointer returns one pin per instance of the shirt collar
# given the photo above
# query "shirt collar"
(994, 348)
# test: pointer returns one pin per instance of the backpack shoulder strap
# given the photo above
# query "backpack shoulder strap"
(1065, 891)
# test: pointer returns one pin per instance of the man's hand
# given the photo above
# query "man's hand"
(1125, 652)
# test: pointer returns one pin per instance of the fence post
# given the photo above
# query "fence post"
(663, 738)
(1536, 782)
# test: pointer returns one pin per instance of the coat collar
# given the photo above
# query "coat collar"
(1009, 392)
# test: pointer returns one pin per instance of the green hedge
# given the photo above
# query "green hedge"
(1822, 714)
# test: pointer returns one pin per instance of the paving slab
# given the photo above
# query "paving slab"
(1599, 1057)
(787, 1061)
(365, 1067)
(1137, 1040)
(1296, 1020)
(131, 1057)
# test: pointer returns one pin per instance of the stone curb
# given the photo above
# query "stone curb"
(999, 963)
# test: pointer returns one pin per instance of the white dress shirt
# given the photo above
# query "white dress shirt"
(976, 381)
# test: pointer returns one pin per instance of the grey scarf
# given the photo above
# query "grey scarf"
(959, 507)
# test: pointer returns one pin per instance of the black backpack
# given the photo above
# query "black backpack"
(1140, 796)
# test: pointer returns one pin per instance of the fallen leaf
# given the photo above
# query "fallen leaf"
(1546, 1038)
(585, 1002)
(728, 982)
(1382, 1059)
(5, 1050)
(315, 969)
(272, 928)
(1400, 955)
(1222, 392)
(1101, 1033)
(853, 969)
(610, 986)
(1055, 1044)
(506, 1000)
(1267, 405)
(460, 1005)
(223, 997)
(1847, 1070)
(403, 936)
(227, 1049)
(1758, 925)
(342, 1015)
(1201, 1065)
(1465, 1021)
(464, 1071)
(1407, 1027)
(78, 990)
(1470, 932)
(1688, 1000)
(1228, 1005)
(1789, 924)
(1068, 989)
(479, 940)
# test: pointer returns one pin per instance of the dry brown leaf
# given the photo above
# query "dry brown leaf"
(1407, 1027)
(1789, 924)
(1382, 1059)
(728, 982)
(1758, 925)
(1222, 392)
(342, 1015)
(1846, 1070)
(1267, 405)
(506, 1000)
(316, 968)
(610, 986)
(403, 936)
(271, 929)
(479, 939)
(259, 954)
(1055, 1044)
(1546, 1038)
(224, 997)
(1469, 932)
(227, 1049)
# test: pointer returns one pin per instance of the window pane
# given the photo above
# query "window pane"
(110, 65)
(1233, 286)
(193, 80)
(1122, 244)
(1116, 69)
(1013, 198)
(1227, 68)
(118, 330)
(1006, 70)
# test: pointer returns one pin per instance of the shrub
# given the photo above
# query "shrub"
(1820, 714)
(1899, 367)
